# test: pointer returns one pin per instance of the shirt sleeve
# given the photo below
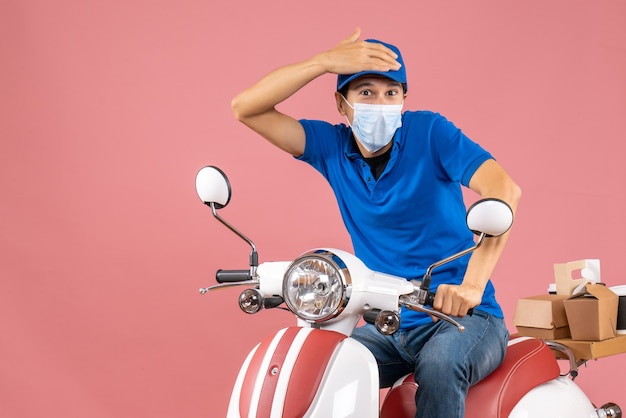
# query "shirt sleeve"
(458, 156)
(323, 142)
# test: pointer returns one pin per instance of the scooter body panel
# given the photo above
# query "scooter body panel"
(305, 372)
(350, 385)
(558, 398)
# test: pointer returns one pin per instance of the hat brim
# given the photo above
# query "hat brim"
(391, 75)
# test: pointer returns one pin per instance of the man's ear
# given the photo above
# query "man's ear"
(340, 104)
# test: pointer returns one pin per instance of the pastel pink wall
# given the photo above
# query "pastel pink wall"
(108, 109)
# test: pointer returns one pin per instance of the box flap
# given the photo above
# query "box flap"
(597, 291)
(601, 292)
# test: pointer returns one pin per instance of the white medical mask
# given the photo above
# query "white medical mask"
(375, 124)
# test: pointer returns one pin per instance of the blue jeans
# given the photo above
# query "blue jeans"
(446, 362)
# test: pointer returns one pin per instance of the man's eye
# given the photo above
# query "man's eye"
(365, 93)
(392, 93)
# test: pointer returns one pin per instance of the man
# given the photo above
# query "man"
(397, 178)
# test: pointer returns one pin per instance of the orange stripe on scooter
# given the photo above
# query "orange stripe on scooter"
(247, 386)
(268, 388)
(309, 370)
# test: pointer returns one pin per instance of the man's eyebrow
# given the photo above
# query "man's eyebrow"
(362, 84)
(369, 83)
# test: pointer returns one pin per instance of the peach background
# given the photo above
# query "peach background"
(108, 109)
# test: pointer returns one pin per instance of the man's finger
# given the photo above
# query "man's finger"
(354, 36)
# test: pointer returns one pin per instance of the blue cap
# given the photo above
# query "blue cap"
(395, 75)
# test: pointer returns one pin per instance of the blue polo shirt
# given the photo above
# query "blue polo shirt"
(414, 214)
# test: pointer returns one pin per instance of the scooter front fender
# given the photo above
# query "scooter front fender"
(305, 372)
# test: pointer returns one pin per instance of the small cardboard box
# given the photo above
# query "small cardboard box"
(592, 313)
(542, 316)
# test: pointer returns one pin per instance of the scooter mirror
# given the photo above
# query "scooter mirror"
(492, 217)
(213, 186)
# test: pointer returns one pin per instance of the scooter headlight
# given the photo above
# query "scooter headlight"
(316, 286)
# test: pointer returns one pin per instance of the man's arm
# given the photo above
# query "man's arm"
(490, 180)
(256, 106)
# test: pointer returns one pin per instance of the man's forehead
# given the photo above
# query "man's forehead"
(370, 79)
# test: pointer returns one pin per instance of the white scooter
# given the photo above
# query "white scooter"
(315, 369)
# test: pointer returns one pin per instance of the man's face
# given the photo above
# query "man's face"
(371, 89)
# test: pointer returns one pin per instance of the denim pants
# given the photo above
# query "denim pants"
(446, 362)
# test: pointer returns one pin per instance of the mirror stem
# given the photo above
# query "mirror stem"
(254, 256)
(427, 276)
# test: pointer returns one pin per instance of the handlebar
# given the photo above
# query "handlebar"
(415, 301)
(418, 300)
(232, 276)
(430, 299)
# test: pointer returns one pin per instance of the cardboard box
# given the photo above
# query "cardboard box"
(542, 316)
(592, 314)
(592, 350)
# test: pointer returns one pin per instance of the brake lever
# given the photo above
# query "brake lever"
(429, 300)
(407, 301)
(253, 282)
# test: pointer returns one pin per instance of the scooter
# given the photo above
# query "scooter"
(314, 369)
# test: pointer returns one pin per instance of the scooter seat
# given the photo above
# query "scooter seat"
(528, 363)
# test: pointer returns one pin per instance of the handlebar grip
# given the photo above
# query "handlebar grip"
(430, 299)
(232, 276)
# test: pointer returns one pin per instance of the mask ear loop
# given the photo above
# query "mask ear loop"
(347, 102)
(351, 107)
